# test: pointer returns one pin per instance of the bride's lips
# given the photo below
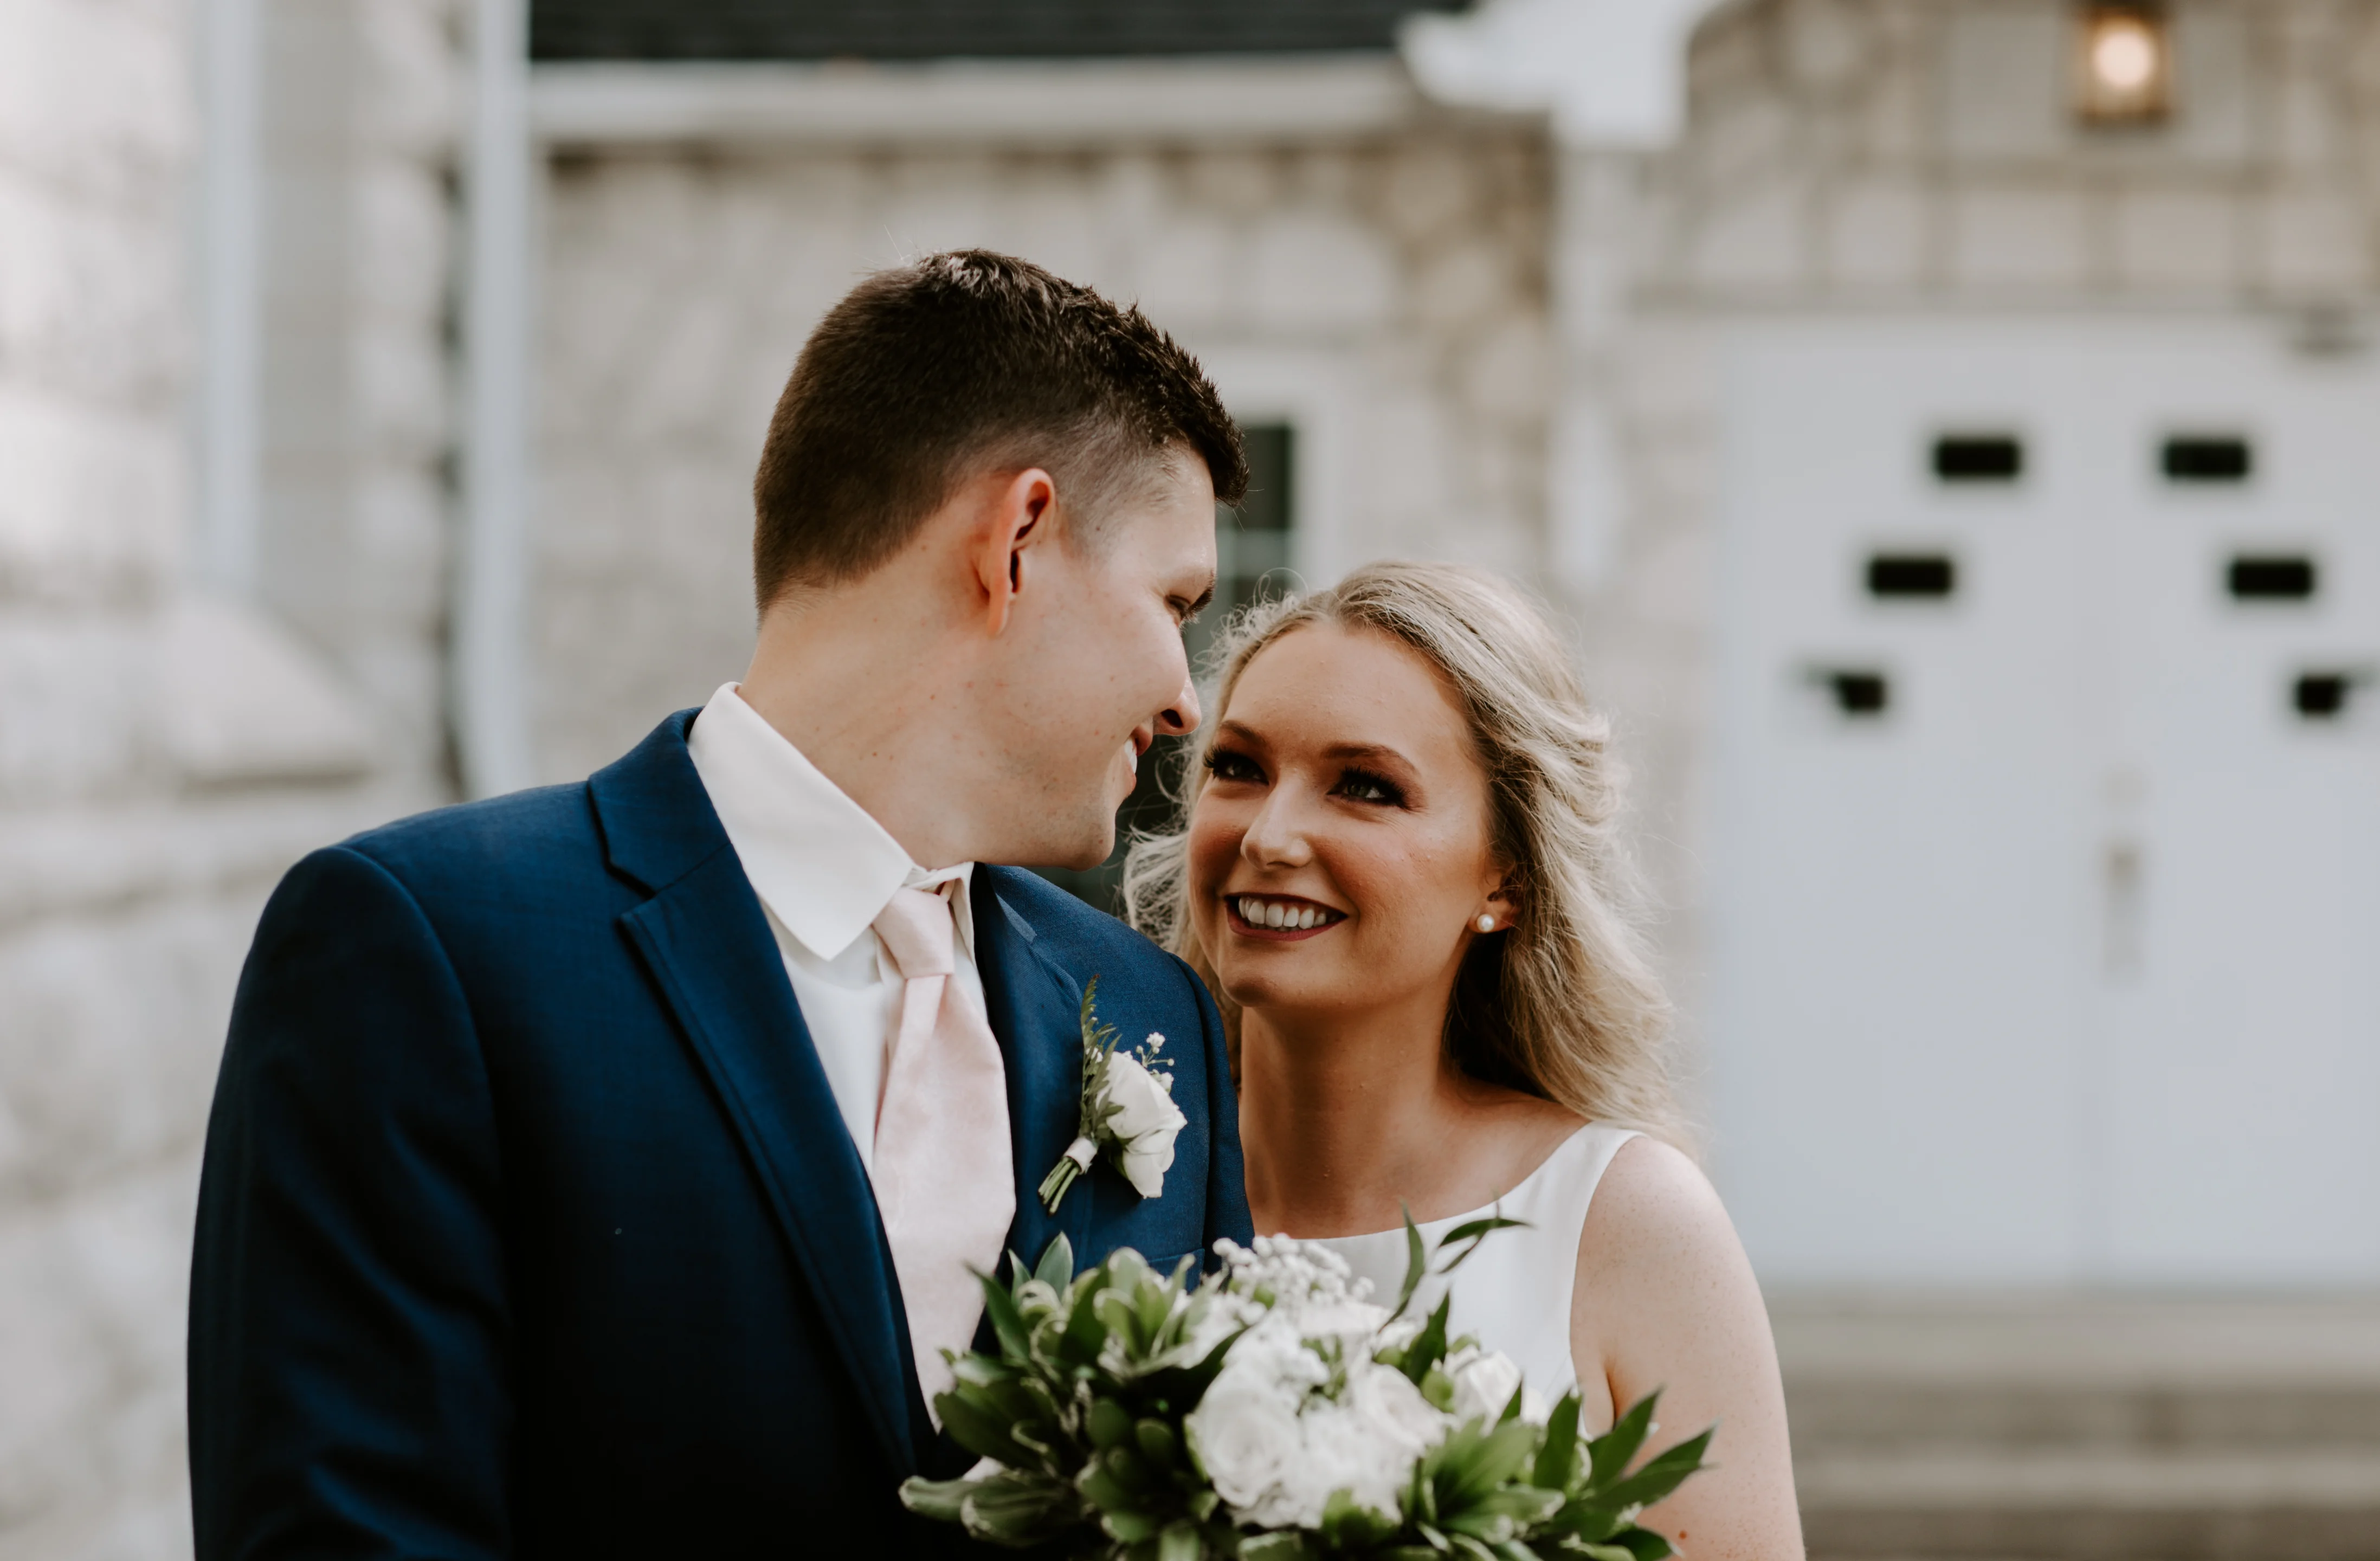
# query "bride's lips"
(1325, 918)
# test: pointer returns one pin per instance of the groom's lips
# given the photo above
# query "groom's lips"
(1247, 928)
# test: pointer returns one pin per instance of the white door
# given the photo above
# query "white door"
(2047, 869)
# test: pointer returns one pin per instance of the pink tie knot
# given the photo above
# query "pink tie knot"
(916, 930)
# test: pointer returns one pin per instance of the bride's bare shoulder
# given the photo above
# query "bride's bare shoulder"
(1656, 1222)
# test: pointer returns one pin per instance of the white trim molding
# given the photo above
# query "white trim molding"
(1011, 102)
(1611, 73)
(1311, 390)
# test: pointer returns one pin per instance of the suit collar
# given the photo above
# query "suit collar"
(656, 821)
(1035, 1004)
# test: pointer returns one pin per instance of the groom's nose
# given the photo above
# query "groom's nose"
(1181, 716)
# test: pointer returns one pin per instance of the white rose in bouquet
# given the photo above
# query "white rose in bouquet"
(1485, 1381)
(1247, 1431)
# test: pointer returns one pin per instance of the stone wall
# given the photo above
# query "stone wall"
(679, 285)
(1917, 151)
(164, 756)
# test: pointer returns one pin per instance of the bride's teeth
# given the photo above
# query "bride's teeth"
(1305, 918)
(1275, 915)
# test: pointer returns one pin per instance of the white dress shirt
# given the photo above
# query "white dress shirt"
(823, 870)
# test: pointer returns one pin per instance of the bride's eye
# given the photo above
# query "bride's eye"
(1225, 765)
(1362, 785)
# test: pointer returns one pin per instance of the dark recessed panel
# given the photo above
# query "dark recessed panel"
(2202, 457)
(2321, 695)
(1979, 457)
(2275, 578)
(1857, 692)
(1924, 577)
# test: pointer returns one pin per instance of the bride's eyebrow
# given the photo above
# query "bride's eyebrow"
(1369, 753)
(1235, 732)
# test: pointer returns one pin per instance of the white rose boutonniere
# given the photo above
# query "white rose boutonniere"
(1128, 1112)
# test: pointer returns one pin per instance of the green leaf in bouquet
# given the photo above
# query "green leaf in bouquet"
(983, 1430)
(1417, 1265)
(1180, 1542)
(1470, 1549)
(1513, 1406)
(1557, 1455)
(1109, 1424)
(1017, 1509)
(1611, 1454)
(1469, 1234)
(1008, 1322)
(1427, 1347)
(1602, 1551)
(1661, 1475)
(1077, 1347)
(1643, 1544)
(1348, 1525)
(1158, 1443)
(937, 1499)
(1056, 1268)
(1288, 1544)
(1501, 1455)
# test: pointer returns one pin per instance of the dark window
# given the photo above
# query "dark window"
(2272, 580)
(1252, 564)
(2321, 695)
(1857, 693)
(2208, 458)
(1978, 457)
(1912, 574)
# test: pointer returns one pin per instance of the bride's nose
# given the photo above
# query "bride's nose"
(1274, 837)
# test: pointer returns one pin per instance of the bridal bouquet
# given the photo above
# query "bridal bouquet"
(1273, 1412)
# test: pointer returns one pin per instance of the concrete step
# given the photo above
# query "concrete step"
(2092, 1504)
(2085, 1428)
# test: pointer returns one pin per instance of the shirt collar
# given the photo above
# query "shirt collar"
(818, 860)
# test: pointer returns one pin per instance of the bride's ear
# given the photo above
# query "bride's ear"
(1504, 902)
(1020, 520)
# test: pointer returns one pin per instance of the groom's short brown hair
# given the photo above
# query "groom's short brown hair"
(959, 362)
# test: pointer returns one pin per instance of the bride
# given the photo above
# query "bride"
(1397, 874)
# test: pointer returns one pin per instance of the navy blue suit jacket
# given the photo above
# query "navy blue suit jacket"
(530, 1226)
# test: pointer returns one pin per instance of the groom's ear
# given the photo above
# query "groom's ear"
(1019, 522)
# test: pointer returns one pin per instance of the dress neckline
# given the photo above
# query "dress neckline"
(1512, 1193)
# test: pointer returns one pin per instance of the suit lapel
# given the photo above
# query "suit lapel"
(708, 944)
(1035, 1008)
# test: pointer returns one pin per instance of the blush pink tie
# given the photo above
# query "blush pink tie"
(946, 1183)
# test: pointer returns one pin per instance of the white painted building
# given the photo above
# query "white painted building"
(1964, 502)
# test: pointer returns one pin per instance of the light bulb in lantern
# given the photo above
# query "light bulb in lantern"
(2125, 60)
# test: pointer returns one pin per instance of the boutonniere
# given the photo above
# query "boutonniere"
(1127, 1112)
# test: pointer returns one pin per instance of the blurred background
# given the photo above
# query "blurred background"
(1951, 428)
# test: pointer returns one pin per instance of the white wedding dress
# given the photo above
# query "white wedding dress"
(1514, 1292)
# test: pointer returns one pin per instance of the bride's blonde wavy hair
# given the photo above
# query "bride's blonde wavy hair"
(1565, 1004)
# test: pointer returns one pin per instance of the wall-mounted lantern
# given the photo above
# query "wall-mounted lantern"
(2123, 64)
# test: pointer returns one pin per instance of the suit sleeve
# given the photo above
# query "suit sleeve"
(1226, 1184)
(348, 1389)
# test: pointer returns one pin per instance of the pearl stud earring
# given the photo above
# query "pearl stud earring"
(1485, 922)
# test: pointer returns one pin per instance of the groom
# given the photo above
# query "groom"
(600, 1171)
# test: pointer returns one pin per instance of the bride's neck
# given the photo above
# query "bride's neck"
(1343, 1116)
